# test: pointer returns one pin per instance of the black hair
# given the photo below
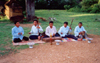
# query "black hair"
(16, 22)
(80, 23)
(66, 23)
(50, 22)
(36, 21)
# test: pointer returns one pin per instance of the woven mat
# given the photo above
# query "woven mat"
(68, 40)
(26, 42)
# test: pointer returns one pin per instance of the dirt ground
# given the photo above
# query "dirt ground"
(69, 52)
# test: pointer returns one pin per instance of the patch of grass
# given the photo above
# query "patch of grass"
(5, 37)
(4, 19)
(88, 20)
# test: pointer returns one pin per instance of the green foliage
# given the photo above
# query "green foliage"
(86, 5)
(92, 9)
(74, 9)
(95, 8)
(86, 9)
(90, 6)
(88, 2)
(70, 5)
(67, 7)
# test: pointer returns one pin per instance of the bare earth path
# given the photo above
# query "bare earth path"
(70, 52)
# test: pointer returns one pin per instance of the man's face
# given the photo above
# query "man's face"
(79, 25)
(51, 24)
(17, 24)
(65, 25)
(35, 23)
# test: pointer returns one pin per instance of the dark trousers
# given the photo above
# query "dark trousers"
(70, 36)
(33, 37)
(16, 40)
(56, 35)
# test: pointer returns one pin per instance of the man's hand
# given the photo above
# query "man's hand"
(53, 34)
(29, 32)
(19, 33)
(61, 33)
(80, 33)
(38, 27)
(70, 28)
(83, 31)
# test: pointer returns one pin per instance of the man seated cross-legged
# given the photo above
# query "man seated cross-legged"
(51, 31)
(64, 31)
(18, 32)
(35, 31)
(80, 31)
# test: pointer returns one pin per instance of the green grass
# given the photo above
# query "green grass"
(88, 20)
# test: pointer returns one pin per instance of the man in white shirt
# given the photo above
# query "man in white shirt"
(51, 30)
(80, 31)
(64, 31)
(35, 31)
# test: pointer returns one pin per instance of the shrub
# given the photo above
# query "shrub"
(86, 9)
(90, 6)
(67, 7)
(88, 2)
(92, 9)
(95, 8)
(74, 9)
(83, 10)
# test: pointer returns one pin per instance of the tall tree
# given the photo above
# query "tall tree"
(30, 9)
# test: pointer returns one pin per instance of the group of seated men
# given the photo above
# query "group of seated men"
(36, 32)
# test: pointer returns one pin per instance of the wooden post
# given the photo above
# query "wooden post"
(30, 9)
(51, 38)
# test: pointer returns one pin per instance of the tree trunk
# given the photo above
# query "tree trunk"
(30, 9)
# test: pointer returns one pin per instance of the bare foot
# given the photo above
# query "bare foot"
(79, 39)
(39, 37)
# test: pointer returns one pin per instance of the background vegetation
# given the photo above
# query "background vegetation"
(89, 6)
